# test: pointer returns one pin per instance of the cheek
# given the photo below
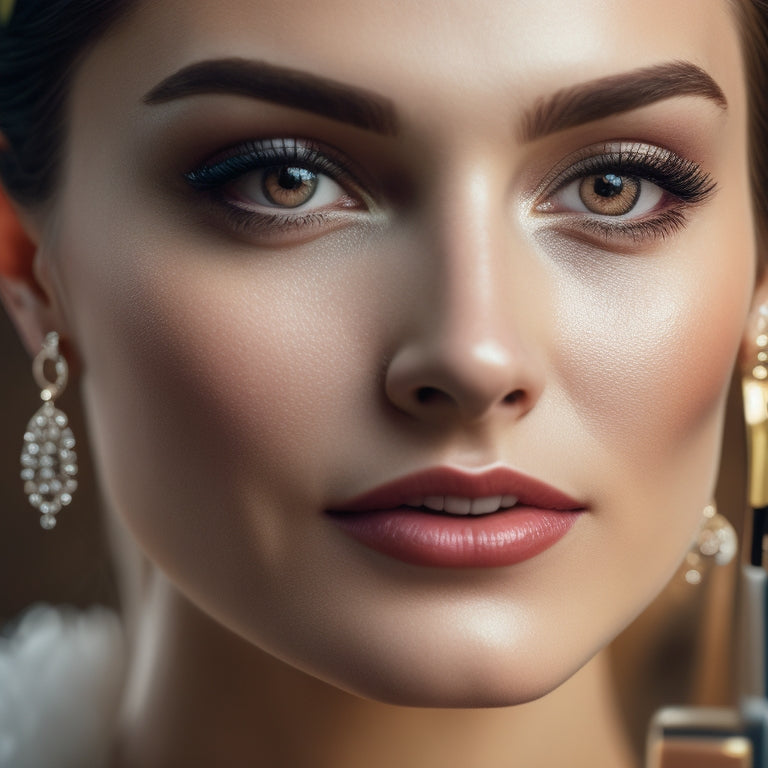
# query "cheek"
(644, 358)
(215, 386)
(646, 362)
(652, 338)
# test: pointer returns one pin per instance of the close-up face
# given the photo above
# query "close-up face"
(330, 267)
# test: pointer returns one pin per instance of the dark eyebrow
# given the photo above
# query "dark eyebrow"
(280, 85)
(614, 94)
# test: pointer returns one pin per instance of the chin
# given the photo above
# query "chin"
(469, 697)
(458, 683)
(452, 694)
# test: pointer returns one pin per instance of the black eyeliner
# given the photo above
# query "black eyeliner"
(253, 156)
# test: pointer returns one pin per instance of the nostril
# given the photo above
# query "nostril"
(513, 397)
(429, 394)
(434, 395)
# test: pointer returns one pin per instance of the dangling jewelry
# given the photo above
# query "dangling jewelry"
(716, 542)
(48, 459)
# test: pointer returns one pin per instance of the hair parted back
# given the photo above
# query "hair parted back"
(44, 40)
(753, 20)
(40, 46)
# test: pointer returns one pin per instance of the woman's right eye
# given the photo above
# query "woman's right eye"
(279, 184)
(283, 187)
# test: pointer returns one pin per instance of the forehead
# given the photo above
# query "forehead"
(447, 49)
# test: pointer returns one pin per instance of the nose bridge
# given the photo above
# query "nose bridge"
(468, 352)
(473, 262)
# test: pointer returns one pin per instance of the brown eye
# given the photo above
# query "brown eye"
(288, 187)
(609, 194)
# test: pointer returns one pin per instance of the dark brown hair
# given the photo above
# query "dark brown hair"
(40, 47)
(753, 20)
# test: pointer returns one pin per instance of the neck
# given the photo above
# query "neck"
(198, 695)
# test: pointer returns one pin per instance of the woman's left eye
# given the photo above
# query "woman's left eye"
(625, 190)
(609, 194)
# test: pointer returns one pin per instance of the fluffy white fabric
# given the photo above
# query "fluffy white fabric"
(60, 677)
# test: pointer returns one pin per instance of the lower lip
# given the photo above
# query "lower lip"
(488, 541)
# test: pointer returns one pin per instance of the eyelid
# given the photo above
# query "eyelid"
(675, 174)
(683, 183)
(251, 155)
(213, 181)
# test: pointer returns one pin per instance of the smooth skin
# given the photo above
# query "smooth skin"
(240, 379)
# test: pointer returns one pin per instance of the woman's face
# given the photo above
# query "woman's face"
(532, 251)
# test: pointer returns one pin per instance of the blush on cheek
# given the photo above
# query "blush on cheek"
(651, 363)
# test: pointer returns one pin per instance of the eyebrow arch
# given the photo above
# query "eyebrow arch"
(614, 94)
(280, 85)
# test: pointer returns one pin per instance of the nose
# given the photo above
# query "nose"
(470, 351)
(449, 381)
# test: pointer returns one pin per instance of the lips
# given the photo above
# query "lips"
(445, 517)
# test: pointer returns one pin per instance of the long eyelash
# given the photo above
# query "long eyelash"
(683, 180)
(245, 222)
(663, 225)
(680, 177)
(252, 156)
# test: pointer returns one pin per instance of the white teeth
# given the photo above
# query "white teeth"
(456, 505)
(484, 506)
(434, 502)
(462, 505)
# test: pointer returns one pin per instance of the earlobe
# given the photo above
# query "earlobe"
(27, 302)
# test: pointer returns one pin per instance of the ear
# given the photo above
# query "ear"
(25, 287)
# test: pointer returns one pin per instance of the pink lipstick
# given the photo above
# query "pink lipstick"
(452, 518)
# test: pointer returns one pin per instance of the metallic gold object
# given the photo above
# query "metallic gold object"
(6, 11)
(682, 737)
(754, 629)
(755, 394)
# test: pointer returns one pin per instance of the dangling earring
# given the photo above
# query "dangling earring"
(716, 542)
(48, 459)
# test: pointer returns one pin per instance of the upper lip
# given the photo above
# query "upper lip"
(452, 481)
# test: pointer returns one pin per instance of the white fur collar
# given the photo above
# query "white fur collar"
(60, 677)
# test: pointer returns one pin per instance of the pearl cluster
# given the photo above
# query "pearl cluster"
(49, 463)
(48, 459)
(760, 371)
(715, 542)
